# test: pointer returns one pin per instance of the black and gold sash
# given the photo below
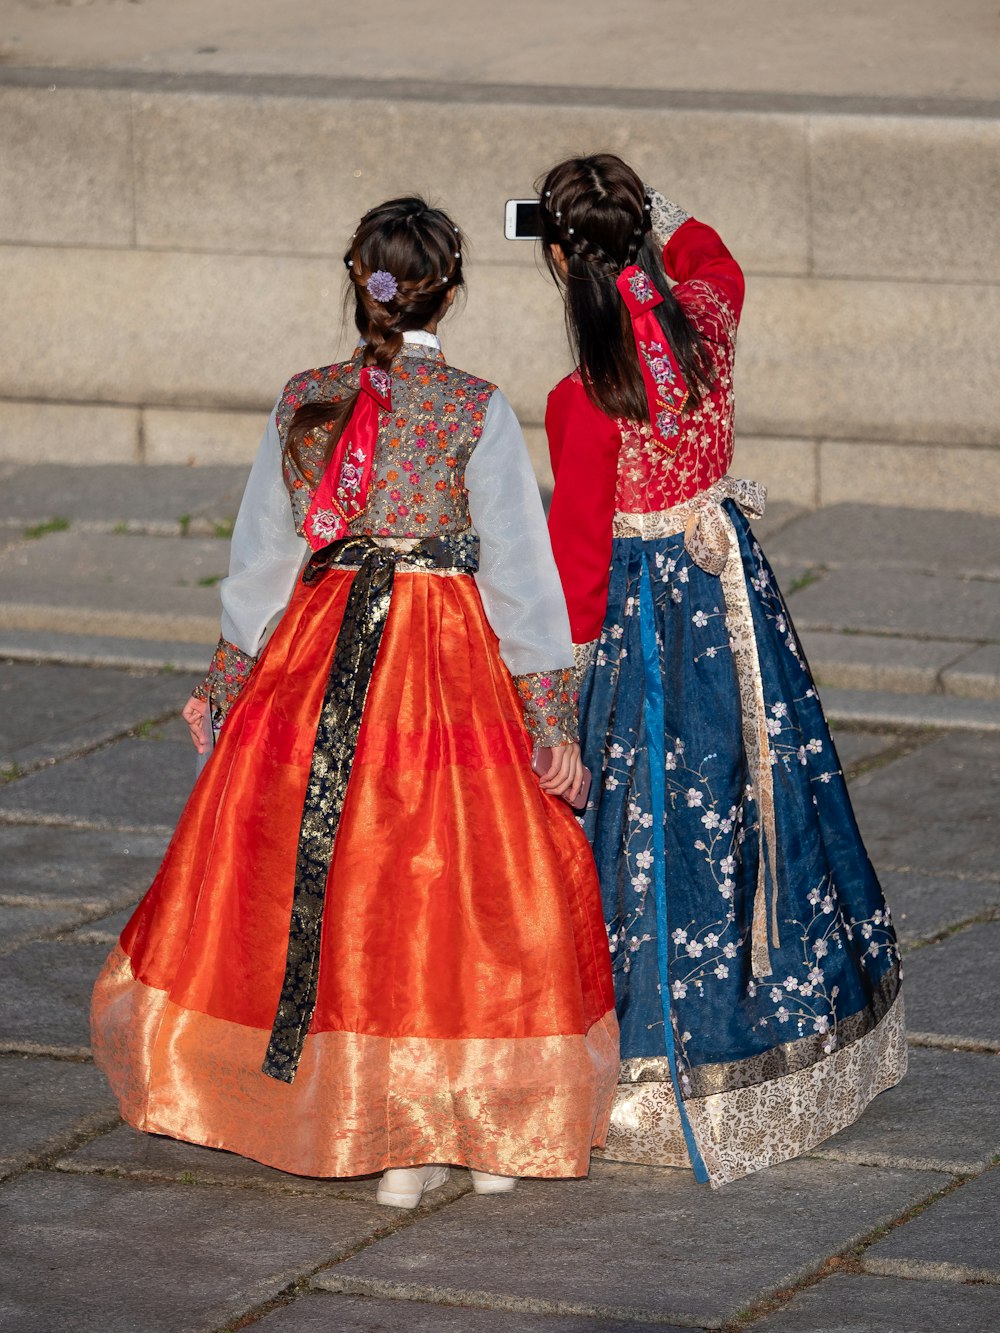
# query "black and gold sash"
(351, 671)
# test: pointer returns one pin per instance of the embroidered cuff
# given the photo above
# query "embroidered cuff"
(228, 673)
(664, 215)
(549, 700)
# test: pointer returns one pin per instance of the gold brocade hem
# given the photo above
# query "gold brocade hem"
(531, 1106)
(786, 1058)
(750, 1128)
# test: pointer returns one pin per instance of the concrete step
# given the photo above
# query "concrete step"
(105, 650)
(880, 708)
(898, 610)
(845, 228)
(904, 666)
(116, 585)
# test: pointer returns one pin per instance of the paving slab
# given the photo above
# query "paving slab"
(545, 1248)
(45, 993)
(107, 583)
(855, 1303)
(131, 784)
(323, 1312)
(887, 537)
(49, 711)
(44, 1103)
(19, 925)
(127, 1152)
(936, 808)
(127, 1255)
(976, 676)
(895, 601)
(956, 1238)
(857, 746)
(923, 906)
(943, 1116)
(881, 662)
(166, 499)
(104, 929)
(82, 868)
(953, 988)
(777, 517)
(106, 650)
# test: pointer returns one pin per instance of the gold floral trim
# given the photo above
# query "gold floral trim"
(786, 1058)
(529, 1106)
(664, 216)
(747, 1129)
(583, 655)
(549, 700)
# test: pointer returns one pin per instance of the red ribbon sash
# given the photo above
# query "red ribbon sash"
(342, 493)
(666, 391)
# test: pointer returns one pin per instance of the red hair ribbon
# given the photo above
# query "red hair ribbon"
(342, 493)
(666, 391)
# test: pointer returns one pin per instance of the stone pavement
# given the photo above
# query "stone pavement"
(111, 563)
(107, 607)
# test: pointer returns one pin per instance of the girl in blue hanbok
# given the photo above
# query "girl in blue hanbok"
(756, 967)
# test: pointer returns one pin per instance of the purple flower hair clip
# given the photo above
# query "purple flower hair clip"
(382, 286)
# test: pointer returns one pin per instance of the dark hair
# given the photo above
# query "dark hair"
(422, 248)
(594, 208)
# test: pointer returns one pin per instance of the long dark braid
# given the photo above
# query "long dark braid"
(422, 248)
(594, 209)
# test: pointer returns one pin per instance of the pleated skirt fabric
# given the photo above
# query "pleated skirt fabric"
(465, 1010)
(723, 1068)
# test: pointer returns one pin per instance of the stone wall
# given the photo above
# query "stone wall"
(169, 257)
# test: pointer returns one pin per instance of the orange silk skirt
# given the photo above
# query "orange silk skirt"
(465, 1010)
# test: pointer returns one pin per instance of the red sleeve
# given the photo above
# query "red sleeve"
(695, 253)
(583, 447)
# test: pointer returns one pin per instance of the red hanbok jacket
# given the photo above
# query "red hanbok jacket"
(603, 466)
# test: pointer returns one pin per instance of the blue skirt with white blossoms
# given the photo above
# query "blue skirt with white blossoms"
(724, 1067)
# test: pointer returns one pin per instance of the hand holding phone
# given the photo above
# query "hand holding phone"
(522, 220)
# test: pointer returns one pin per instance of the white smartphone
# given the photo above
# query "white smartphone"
(521, 221)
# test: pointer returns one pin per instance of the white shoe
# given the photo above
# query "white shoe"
(405, 1186)
(485, 1183)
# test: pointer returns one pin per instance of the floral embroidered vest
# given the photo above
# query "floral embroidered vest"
(424, 443)
(650, 477)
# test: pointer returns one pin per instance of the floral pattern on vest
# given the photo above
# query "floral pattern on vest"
(425, 442)
(651, 477)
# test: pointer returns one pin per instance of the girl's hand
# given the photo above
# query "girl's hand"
(565, 775)
(193, 714)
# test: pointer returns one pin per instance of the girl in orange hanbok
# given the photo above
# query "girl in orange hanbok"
(375, 942)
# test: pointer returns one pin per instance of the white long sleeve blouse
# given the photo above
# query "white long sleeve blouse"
(517, 576)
